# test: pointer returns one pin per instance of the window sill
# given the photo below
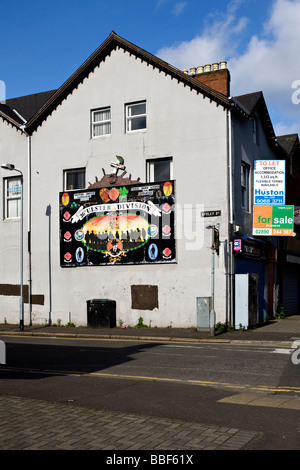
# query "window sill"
(136, 131)
(11, 219)
(100, 136)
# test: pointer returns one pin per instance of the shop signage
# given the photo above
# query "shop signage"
(269, 182)
(237, 245)
(273, 220)
(250, 250)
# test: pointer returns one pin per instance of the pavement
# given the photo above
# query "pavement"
(283, 331)
(30, 424)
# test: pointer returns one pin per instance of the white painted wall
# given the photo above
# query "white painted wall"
(181, 124)
(13, 149)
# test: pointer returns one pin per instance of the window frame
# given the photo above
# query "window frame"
(7, 199)
(245, 186)
(100, 123)
(254, 126)
(73, 170)
(130, 119)
(151, 162)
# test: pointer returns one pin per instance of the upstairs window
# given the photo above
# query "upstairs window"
(12, 197)
(160, 169)
(245, 186)
(101, 122)
(254, 130)
(136, 116)
(74, 179)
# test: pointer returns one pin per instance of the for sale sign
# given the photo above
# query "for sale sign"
(269, 182)
(273, 220)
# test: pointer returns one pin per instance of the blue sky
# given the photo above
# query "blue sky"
(44, 42)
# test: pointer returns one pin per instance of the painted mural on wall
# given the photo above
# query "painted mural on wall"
(116, 225)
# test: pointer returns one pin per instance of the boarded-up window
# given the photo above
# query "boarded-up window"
(14, 290)
(144, 297)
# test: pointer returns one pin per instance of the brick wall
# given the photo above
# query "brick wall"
(219, 80)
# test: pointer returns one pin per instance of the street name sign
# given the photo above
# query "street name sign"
(273, 220)
(269, 182)
(210, 213)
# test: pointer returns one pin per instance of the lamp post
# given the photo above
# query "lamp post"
(11, 167)
(214, 248)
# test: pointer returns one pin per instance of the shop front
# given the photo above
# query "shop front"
(258, 258)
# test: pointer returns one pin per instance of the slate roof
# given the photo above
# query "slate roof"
(9, 114)
(253, 102)
(250, 101)
(27, 106)
(289, 142)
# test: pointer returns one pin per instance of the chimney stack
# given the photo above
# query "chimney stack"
(215, 75)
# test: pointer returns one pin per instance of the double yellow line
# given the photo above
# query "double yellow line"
(203, 383)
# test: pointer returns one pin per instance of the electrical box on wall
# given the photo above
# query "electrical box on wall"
(204, 305)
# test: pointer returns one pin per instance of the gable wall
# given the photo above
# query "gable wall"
(181, 124)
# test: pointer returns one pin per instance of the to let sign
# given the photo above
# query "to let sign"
(273, 220)
(269, 182)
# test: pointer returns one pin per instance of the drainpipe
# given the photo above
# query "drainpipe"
(230, 224)
(29, 220)
(29, 230)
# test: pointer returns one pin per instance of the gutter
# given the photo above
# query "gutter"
(29, 221)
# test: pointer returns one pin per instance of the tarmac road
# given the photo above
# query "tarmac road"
(35, 423)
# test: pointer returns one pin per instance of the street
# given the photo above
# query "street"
(253, 388)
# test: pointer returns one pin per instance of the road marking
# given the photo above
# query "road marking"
(203, 383)
(256, 399)
(259, 348)
(282, 351)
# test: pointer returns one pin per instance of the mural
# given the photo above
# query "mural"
(131, 224)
